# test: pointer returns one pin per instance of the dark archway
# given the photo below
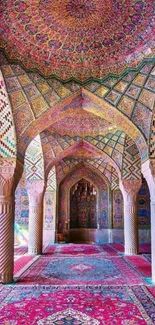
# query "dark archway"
(83, 209)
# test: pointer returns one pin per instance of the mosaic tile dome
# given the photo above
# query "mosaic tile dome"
(78, 38)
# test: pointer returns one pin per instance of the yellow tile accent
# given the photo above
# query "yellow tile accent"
(24, 80)
(140, 79)
(101, 91)
(126, 105)
(17, 99)
(43, 87)
(147, 98)
(121, 86)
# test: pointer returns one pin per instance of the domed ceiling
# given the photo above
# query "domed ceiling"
(78, 38)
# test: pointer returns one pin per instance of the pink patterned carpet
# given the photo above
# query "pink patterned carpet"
(84, 305)
(90, 270)
(83, 265)
(81, 249)
(80, 285)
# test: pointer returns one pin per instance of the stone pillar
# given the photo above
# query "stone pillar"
(130, 190)
(35, 191)
(7, 168)
(148, 170)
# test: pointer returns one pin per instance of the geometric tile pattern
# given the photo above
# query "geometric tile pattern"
(34, 163)
(118, 211)
(84, 123)
(129, 91)
(23, 116)
(67, 164)
(131, 168)
(31, 95)
(152, 139)
(7, 130)
(143, 206)
(114, 180)
(112, 144)
(142, 118)
(21, 205)
(51, 182)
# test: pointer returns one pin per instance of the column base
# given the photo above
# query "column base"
(6, 278)
(131, 251)
(34, 251)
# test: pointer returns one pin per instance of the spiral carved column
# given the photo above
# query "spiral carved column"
(148, 170)
(7, 168)
(130, 190)
(36, 193)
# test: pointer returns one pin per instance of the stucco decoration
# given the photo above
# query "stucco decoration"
(48, 36)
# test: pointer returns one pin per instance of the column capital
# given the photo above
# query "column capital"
(148, 171)
(35, 189)
(148, 168)
(7, 170)
(130, 188)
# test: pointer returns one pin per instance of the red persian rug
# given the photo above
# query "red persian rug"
(140, 264)
(78, 249)
(81, 270)
(81, 249)
(46, 305)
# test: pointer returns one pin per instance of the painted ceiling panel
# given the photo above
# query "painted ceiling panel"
(47, 35)
(110, 144)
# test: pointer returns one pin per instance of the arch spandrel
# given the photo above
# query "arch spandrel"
(34, 161)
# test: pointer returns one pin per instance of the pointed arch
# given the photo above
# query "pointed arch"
(72, 150)
(64, 191)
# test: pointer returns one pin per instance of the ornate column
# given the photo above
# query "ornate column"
(36, 193)
(7, 168)
(148, 170)
(130, 190)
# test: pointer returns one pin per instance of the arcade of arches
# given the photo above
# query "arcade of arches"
(77, 133)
